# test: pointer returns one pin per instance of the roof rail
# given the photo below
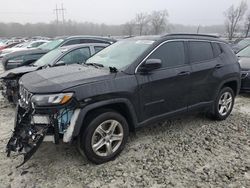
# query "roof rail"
(189, 34)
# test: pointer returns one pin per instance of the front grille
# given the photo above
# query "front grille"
(25, 95)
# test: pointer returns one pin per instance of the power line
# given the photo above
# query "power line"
(59, 11)
(63, 10)
(56, 10)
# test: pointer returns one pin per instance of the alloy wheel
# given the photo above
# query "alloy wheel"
(107, 138)
(225, 103)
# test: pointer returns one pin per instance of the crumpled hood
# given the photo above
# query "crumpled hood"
(17, 71)
(244, 63)
(58, 79)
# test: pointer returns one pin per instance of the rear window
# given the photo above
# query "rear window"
(200, 51)
(72, 42)
(217, 49)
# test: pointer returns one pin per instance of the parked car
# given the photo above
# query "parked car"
(244, 59)
(26, 57)
(60, 56)
(24, 46)
(241, 44)
(6, 46)
(130, 84)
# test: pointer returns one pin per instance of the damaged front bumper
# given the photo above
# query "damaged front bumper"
(31, 128)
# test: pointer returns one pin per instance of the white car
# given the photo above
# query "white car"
(23, 46)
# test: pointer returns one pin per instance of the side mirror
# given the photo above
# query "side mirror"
(151, 64)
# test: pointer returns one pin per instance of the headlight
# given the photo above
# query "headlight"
(50, 100)
(16, 61)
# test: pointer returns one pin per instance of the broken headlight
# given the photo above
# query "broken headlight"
(50, 100)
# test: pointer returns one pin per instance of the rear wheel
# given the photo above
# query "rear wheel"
(224, 104)
(104, 138)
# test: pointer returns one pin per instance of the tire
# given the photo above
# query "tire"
(100, 134)
(218, 113)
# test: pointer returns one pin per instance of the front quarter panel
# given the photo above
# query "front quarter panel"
(121, 89)
(121, 86)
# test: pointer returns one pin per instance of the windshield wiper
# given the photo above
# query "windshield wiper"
(96, 65)
(113, 69)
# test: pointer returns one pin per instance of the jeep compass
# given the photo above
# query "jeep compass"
(130, 84)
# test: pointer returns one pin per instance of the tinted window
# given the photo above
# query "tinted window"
(98, 48)
(93, 41)
(172, 54)
(76, 56)
(217, 49)
(200, 51)
(72, 42)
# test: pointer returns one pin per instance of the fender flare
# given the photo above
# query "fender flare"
(86, 109)
(235, 79)
(230, 80)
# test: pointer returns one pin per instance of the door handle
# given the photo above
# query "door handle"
(184, 73)
(218, 66)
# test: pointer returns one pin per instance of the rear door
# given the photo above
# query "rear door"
(165, 91)
(204, 58)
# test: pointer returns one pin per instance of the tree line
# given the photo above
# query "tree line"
(237, 21)
(153, 23)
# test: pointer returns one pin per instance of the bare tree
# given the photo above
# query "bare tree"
(158, 21)
(234, 16)
(247, 25)
(142, 20)
(128, 28)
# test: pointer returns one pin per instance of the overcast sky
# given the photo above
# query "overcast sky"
(188, 12)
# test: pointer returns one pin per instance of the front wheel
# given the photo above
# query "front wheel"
(104, 138)
(224, 104)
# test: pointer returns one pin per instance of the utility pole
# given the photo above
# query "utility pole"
(56, 10)
(63, 10)
(198, 29)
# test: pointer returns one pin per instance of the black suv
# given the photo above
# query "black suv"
(130, 84)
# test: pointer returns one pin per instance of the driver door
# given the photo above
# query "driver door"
(165, 91)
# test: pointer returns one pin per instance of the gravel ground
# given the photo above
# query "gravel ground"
(185, 152)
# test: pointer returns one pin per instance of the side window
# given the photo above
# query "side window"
(72, 42)
(172, 54)
(200, 51)
(217, 49)
(76, 56)
(98, 48)
(92, 41)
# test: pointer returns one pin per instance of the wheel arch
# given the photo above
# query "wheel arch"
(122, 106)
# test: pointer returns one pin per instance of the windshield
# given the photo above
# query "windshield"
(121, 54)
(243, 43)
(51, 45)
(245, 52)
(48, 58)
